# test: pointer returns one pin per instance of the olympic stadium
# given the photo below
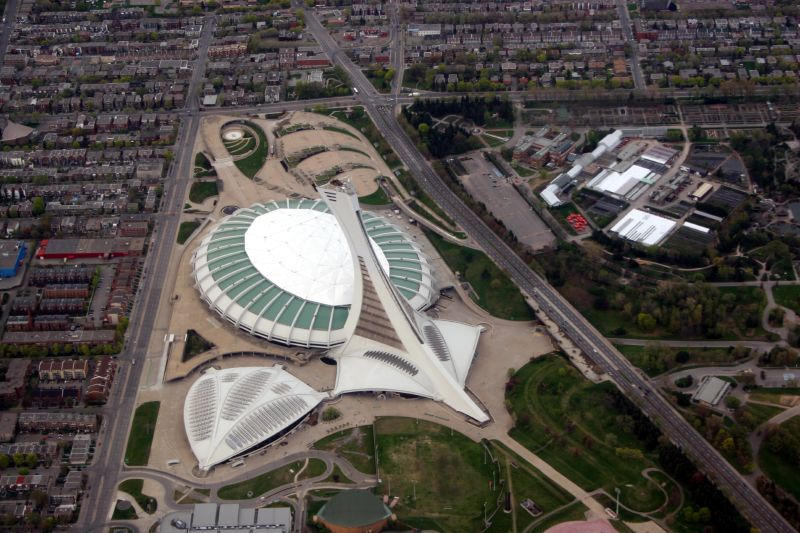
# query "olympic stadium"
(320, 274)
(282, 271)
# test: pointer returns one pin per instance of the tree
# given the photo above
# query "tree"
(646, 322)
(423, 129)
(4, 461)
(37, 206)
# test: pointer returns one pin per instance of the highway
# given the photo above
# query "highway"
(109, 457)
(572, 323)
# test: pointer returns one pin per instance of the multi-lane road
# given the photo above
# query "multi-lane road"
(109, 457)
(571, 322)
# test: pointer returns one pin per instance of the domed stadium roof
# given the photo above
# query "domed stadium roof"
(229, 411)
(283, 271)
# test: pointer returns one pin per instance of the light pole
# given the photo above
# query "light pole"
(617, 511)
(414, 484)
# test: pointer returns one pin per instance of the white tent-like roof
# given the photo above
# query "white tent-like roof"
(229, 411)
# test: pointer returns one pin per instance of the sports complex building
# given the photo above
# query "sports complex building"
(283, 271)
(320, 274)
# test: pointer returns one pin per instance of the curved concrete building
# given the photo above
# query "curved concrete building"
(228, 412)
(282, 271)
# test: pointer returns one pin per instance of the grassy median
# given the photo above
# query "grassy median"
(137, 453)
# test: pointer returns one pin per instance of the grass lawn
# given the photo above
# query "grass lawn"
(576, 511)
(495, 291)
(357, 445)
(202, 166)
(201, 190)
(195, 344)
(761, 413)
(186, 229)
(251, 164)
(788, 296)
(574, 426)
(657, 358)
(141, 436)
(524, 172)
(337, 476)
(134, 488)
(128, 514)
(448, 471)
(773, 395)
(493, 142)
(786, 474)
(269, 480)
(379, 197)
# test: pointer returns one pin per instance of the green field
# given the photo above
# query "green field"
(201, 190)
(134, 488)
(574, 426)
(785, 473)
(186, 229)
(270, 480)
(494, 289)
(140, 438)
(251, 164)
(448, 471)
(357, 445)
(379, 197)
(129, 514)
(788, 296)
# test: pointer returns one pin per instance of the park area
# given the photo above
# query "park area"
(137, 453)
(779, 453)
(576, 426)
(493, 289)
(255, 487)
(357, 445)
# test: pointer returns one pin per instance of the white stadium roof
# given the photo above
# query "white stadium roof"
(282, 271)
(229, 411)
(642, 227)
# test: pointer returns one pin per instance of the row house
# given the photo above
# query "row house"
(100, 384)
(58, 421)
(66, 290)
(63, 369)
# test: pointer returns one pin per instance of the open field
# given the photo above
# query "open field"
(575, 426)
(134, 488)
(255, 487)
(357, 445)
(448, 473)
(201, 190)
(494, 290)
(185, 230)
(788, 296)
(141, 436)
(379, 197)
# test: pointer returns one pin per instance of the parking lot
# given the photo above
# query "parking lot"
(486, 185)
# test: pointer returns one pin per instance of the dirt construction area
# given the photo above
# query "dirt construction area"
(497, 192)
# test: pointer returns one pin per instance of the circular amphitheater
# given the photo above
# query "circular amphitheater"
(283, 271)
(239, 139)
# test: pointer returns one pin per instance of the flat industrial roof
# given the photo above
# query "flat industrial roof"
(642, 227)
